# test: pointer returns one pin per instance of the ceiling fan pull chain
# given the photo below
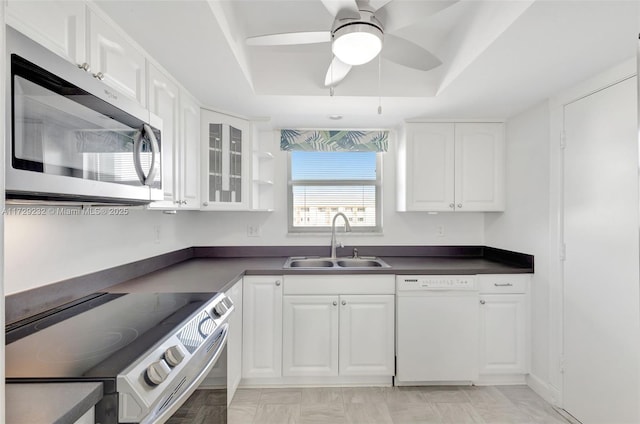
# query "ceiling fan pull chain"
(379, 85)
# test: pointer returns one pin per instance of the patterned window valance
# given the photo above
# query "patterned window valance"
(334, 140)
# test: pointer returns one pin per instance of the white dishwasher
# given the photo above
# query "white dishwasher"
(436, 329)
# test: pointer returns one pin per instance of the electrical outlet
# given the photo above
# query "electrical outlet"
(156, 234)
(440, 230)
(253, 230)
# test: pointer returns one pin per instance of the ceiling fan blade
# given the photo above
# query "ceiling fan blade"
(342, 9)
(336, 72)
(399, 13)
(407, 53)
(289, 38)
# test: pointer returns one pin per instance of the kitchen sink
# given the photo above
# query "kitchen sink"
(364, 262)
(357, 263)
(310, 263)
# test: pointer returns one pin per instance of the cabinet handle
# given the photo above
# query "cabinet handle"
(277, 282)
(451, 205)
(503, 284)
(335, 303)
(482, 302)
(205, 203)
(344, 302)
(84, 66)
(459, 205)
(99, 75)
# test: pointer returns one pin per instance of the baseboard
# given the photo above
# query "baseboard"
(316, 382)
(500, 379)
(546, 391)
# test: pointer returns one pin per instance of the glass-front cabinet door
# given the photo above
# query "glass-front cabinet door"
(225, 141)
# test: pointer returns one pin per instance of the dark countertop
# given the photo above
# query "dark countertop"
(219, 274)
(216, 268)
(50, 403)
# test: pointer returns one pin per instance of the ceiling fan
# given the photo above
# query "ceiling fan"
(359, 33)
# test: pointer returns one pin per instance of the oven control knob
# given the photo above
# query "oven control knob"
(174, 355)
(220, 309)
(157, 372)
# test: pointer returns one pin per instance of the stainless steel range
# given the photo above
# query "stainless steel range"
(150, 350)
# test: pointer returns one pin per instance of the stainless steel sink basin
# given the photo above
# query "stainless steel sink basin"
(365, 262)
(358, 263)
(310, 263)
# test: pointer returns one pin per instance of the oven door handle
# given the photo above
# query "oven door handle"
(137, 154)
(177, 402)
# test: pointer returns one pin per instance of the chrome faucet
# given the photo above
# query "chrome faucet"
(347, 228)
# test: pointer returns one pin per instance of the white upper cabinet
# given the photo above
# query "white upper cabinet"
(451, 167)
(164, 101)
(189, 153)
(480, 167)
(225, 162)
(83, 36)
(60, 26)
(114, 59)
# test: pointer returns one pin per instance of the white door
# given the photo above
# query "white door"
(479, 163)
(367, 325)
(57, 25)
(164, 101)
(189, 153)
(310, 336)
(110, 54)
(430, 167)
(502, 334)
(601, 312)
(225, 161)
(262, 326)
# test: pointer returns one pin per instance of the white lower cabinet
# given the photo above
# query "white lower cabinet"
(338, 334)
(262, 327)
(367, 334)
(310, 336)
(504, 327)
(234, 341)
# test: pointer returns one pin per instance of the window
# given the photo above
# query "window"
(322, 184)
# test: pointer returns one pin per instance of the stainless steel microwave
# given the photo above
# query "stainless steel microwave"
(72, 138)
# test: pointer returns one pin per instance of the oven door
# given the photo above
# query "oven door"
(75, 138)
(185, 401)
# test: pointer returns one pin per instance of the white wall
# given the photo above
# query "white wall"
(399, 228)
(524, 226)
(41, 250)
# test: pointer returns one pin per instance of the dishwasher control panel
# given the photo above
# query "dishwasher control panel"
(436, 282)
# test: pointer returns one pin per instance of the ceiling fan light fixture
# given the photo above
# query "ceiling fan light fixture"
(357, 43)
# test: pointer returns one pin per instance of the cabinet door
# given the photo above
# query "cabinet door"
(234, 342)
(310, 336)
(367, 338)
(430, 167)
(503, 334)
(164, 101)
(479, 167)
(262, 325)
(189, 157)
(57, 25)
(225, 160)
(120, 64)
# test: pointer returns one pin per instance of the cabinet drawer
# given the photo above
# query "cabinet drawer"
(503, 283)
(339, 284)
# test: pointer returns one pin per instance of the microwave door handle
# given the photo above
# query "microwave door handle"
(155, 152)
(137, 154)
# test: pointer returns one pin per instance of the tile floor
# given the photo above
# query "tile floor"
(373, 405)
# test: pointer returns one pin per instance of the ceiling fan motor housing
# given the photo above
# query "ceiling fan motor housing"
(357, 41)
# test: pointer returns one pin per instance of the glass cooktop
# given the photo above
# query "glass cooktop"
(97, 337)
